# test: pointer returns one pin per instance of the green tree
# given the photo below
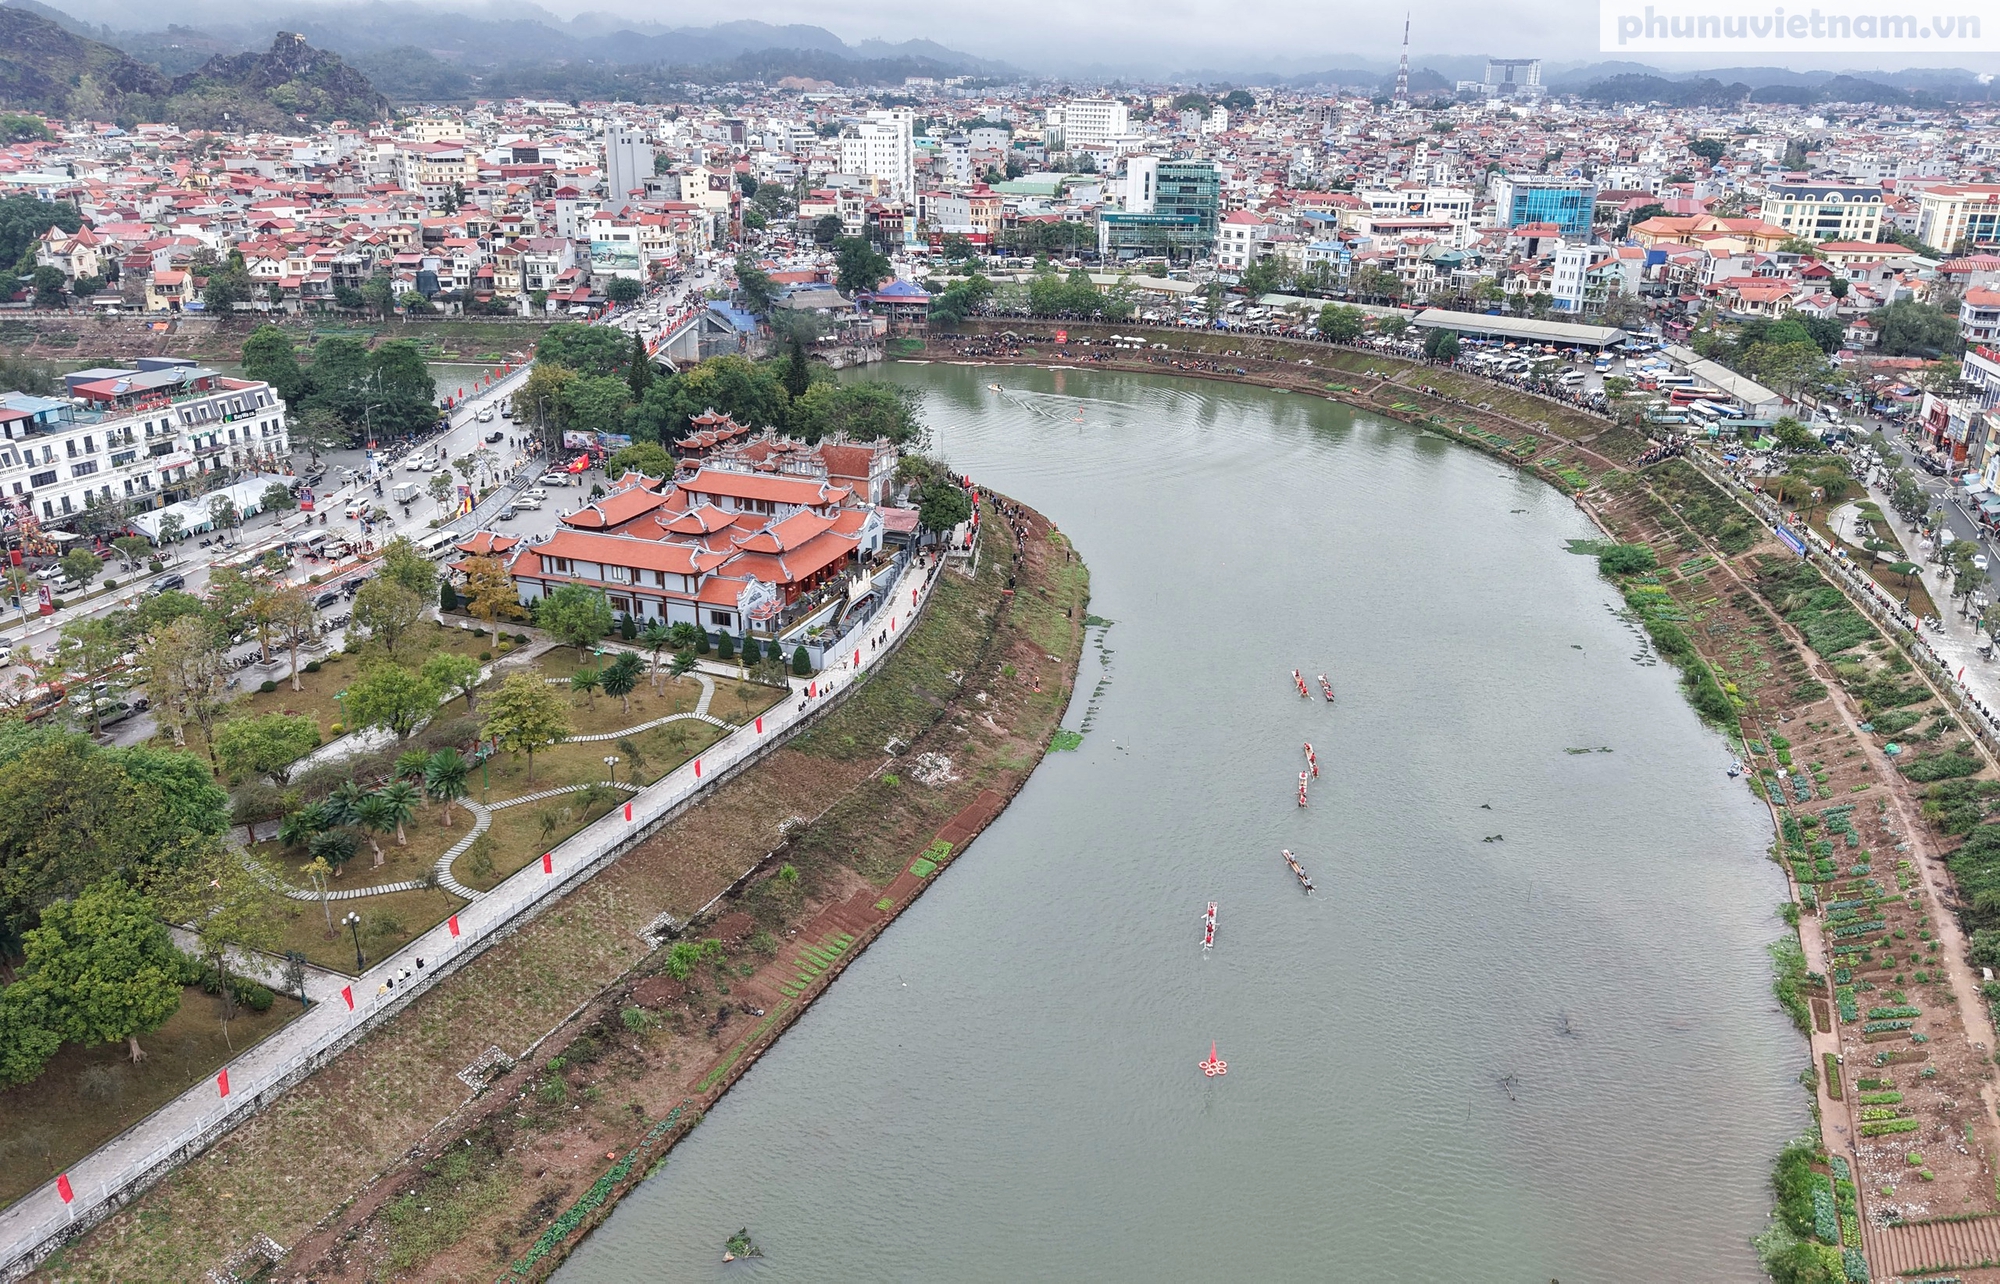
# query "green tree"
(441, 490)
(524, 715)
(390, 612)
(596, 403)
(106, 962)
(858, 266)
(623, 289)
(826, 230)
(374, 814)
(404, 564)
(185, 675)
(1441, 345)
(641, 457)
(28, 1034)
(577, 615)
(941, 506)
(655, 637)
(51, 287)
(388, 695)
(755, 287)
(621, 676)
(587, 681)
(80, 566)
(453, 674)
(861, 411)
(23, 220)
(1794, 436)
(445, 777)
(270, 745)
(402, 798)
(639, 376)
(1909, 328)
(378, 294)
(586, 349)
(270, 355)
(742, 389)
(801, 662)
(1341, 323)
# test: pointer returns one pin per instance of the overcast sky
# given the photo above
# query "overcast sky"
(1136, 37)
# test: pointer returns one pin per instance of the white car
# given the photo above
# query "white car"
(1979, 562)
(417, 463)
(527, 501)
(486, 414)
(534, 492)
(555, 479)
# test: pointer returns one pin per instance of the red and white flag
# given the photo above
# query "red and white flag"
(222, 1082)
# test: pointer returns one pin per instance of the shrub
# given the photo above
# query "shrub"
(484, 656)
(725, 647)
(801, 662)
(109, 584)
(266, 687)
(636, 1018)
(312, 666)
(701, 642)
(752, 653)
(1626, 559)
(627, 627)
(155, 566)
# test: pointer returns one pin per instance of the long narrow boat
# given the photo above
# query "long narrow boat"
(1299, 870)
(1208, 928)
(1299, 679)
(1326, 688)
(1312, 760)
(1302, 789)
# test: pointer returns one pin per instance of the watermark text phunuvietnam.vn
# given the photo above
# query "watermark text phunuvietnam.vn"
(1837, 26)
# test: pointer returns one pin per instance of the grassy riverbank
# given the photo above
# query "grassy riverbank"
(614, 1049)
(1875, 963)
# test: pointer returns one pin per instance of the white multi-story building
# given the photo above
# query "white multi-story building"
(1826, 211)
(1572, 262)
(1093, 122)
(628, 161)
(134, 436)
(1142, 184)
(879, 147)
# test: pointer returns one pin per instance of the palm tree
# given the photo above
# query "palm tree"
(343, 805)
(298, 829)
(374, 815)
(683, 662)
(656, 637)
(621, 676)
(587, 681)
(334, 846)
(402, 797)
(445, 776)
(411, 764)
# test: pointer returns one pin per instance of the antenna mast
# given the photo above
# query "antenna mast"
(1403, 70)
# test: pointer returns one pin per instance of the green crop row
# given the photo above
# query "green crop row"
(1885, 1127)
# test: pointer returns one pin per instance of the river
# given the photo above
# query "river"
(1551, 1055)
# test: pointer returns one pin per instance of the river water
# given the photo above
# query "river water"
(1553, 1055)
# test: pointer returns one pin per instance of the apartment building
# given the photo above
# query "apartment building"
(1949, 216)
(879, 147)
(136, 436)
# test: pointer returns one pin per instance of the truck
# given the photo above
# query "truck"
(406, 492)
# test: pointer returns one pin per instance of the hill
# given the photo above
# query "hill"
(46, 67)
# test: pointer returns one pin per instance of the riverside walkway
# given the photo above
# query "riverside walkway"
(344, 1011)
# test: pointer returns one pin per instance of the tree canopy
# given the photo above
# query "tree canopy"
(586, 349)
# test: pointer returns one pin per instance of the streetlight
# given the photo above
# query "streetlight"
(353, 922)
(611, 761)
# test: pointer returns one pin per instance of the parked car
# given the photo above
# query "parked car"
(166, 584)
(555, 479)
(494, 436)
(529, 501)
(329, 598)
(506, 514)
(535, 492)
(485, 414)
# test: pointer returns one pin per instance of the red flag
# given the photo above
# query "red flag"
(454, 926)
(913, 597)
(628, 812)
(347, 992)
(697, 769)
(548, 862)
(760, 726)
(62, 1187)
(812, 690)
(857, 657)
(892, 624)
(222, 1082)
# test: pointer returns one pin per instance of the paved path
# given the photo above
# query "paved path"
(187, 1125)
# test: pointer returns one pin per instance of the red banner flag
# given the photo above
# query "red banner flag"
(628, 813)
(697, 769)
(453, 924)
(222, 1082)
(548, 862)
(857, 657)
(347, 992)
(812, 690)
(760, 726)
(913, 597)
(62, 1187)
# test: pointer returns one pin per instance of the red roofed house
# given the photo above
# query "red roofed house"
(1979, 315)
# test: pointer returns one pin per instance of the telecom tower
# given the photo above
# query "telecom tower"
(1403, 69)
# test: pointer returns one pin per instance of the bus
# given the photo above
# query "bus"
(1671, 381)
(1704, 412)
(1688, 395)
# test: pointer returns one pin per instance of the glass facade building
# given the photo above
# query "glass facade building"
(1190, 188)
(1569, 203)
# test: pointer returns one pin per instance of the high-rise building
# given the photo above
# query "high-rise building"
(1190, 188)
(1181, 220)
(628, 161)
(1954, 217)
(1142, 183)
(1093, 122)
(1569, 203)
(879, 147)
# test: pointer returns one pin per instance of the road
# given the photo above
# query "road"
(515, 462)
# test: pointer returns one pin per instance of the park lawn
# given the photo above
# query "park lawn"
(48, 1124)
(319, 694)
(429, 839)
(602, 714)
(505, 775)
(1920, 600)
(388, 922)
(519, 839)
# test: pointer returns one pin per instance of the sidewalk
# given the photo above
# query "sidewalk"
(184, 1127)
